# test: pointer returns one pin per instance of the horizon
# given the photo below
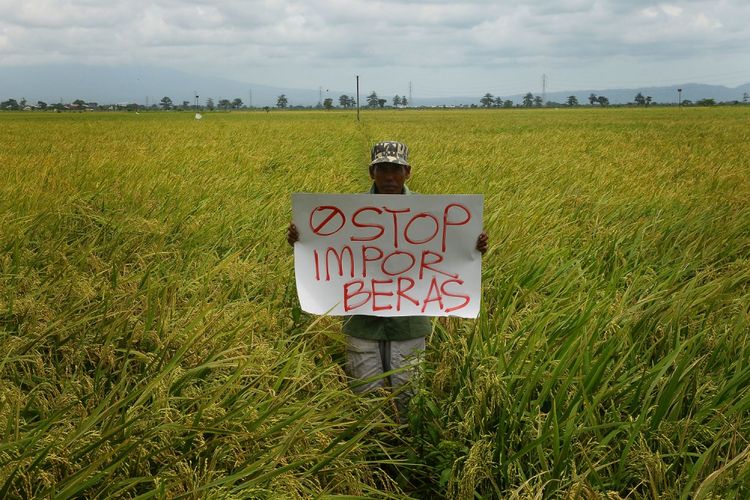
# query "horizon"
(65, 77)
(439, 49)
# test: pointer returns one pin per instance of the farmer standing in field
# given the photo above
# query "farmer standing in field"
(375, 344)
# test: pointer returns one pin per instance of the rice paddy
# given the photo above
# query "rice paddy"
(151, 344)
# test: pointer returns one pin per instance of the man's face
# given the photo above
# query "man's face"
(389, 178)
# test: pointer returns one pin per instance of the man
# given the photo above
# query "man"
(376, 345)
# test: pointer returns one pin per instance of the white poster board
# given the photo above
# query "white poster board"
(388, 255)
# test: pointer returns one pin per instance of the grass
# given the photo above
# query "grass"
(151, 345)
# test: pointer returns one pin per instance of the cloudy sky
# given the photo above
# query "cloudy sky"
(442, 47)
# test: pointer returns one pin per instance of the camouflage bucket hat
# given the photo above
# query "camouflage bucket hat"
(390, 152)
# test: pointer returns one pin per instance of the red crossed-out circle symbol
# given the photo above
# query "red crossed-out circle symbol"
(326, 220)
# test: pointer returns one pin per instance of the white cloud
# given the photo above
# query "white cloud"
(702, 21)
(312, 38)
(671, 10)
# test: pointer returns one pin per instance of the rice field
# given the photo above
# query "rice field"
(151, 344)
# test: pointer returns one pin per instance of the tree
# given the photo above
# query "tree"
(210, 104)
(224, 104)
(397, 100)
(639, 99)
(507, 103)
(404, 101)
(592, 99)
(372, 100)
(328, 103)
(498, 102)
(706, 102)
(648, 100)
(345, 101)
(185, 104)
(528, 100)
(41, 105)
(487, 100)
(603, 101)
(79, 103)
(572, 100)
(22, 104)
(538, 101)
(381, 102)
(9, 104)
(236, 103)
(281, 101)
(745, 97)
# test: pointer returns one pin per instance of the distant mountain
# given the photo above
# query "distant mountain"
(121, 84)
(664, 95)
(668, 94)
(132, 84)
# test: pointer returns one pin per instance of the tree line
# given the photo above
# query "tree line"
(530, 100)
(344, 101)
(165, 103)
(225, 104)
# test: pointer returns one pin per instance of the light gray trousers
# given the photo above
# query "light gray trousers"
(367, 360)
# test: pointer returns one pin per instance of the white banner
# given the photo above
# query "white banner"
(388, 255)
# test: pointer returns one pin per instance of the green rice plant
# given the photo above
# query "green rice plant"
(151, 344)
(609, 316)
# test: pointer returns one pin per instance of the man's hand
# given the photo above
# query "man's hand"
(292, 235)
(483, 242)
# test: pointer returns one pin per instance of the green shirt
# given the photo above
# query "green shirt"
(380, 328)
(395, 328)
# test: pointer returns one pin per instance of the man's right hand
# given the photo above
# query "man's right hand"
(292, 235)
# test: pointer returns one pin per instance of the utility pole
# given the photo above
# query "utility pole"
(357, 97)
(410, 103)
(544, 87)
(679, 97)
(320, 96)
(250, 96)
